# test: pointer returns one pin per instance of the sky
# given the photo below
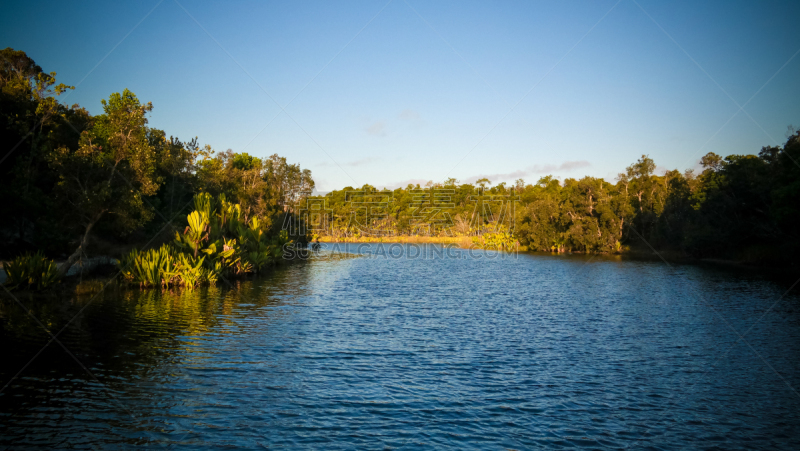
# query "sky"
(396, 92)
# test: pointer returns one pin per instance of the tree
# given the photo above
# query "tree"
(482, 183)
(110, 173)
(31, 119)
(712, 161)
(638, 176)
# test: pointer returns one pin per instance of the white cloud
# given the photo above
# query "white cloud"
(408, 115)
(570, 165)
(361, 162)
(496, 177)
(377, 129)
(403, 184)
(531, 170)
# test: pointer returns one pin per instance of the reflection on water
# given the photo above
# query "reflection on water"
(444, 350)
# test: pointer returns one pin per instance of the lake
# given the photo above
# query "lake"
(417, 348)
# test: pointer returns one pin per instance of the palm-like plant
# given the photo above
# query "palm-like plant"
(228, 218)
(195, 233)
(223, 256)
(150, 268)
(187, 271)
(259, 249)
(31, 271)
(215, 242)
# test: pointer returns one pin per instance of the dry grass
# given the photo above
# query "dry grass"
(462, 241)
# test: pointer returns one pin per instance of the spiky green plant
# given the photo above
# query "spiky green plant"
(195, 233)
(204, 203)
(189, 272)
(227, 220)
(148, 268)
(258, 248)
(31, 271)
(222, 256)
(216, 243)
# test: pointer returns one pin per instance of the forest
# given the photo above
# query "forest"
(77, 185)
(740, 207)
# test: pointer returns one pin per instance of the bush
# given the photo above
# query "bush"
(500, 239)
(216, 243)
(31, 271)
(148, 268)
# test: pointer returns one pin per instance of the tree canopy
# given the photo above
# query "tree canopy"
(73, 175)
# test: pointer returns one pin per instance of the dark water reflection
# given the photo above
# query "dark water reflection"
(459, 351)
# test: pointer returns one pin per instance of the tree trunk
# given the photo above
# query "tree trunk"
(62, 271)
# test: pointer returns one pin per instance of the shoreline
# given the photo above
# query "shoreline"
(460, 240)
(464, 242)
(670, 256)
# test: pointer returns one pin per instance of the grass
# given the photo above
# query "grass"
(462, 241)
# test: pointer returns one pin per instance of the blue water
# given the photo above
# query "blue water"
(443, 350)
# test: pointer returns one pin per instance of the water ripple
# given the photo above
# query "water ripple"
(438, 353)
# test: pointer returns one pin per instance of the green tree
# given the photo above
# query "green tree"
(31, 121)
(110, 173)
(482, 183)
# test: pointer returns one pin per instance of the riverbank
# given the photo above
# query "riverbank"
(461, 241)
(636, 251)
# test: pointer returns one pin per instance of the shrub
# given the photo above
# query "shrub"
(500, 239)
(148, 268)
(189, 272)
(215, 244)
(31, 271)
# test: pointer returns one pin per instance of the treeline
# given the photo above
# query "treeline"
(741, 207)
(74, 185)
(71, 181)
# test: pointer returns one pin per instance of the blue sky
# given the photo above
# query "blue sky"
(387, 93)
